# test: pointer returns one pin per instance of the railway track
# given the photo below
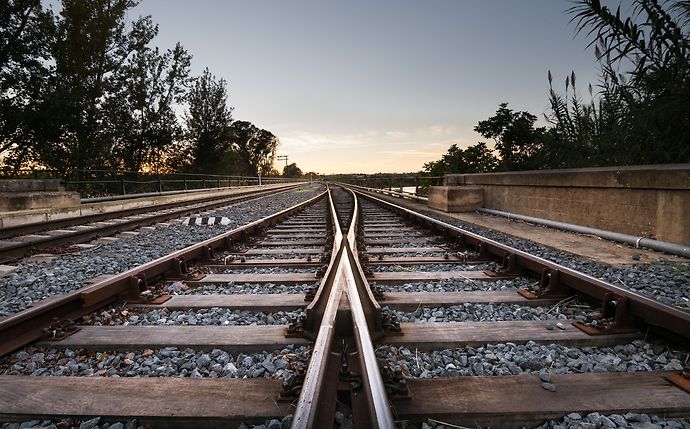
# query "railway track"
(347, 310)
(21, 240)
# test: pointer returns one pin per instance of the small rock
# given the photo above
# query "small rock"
(545, 376)
(549, 386)
(90, 424)
(203, 360)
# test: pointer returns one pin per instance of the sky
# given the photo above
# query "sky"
(376, 86)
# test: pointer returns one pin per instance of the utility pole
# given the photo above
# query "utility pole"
(281, 158)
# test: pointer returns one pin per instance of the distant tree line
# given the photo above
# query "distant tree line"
(83, 88)
(640, 115)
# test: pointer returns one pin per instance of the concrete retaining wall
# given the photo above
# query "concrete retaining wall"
(35, 194)
(651, 201)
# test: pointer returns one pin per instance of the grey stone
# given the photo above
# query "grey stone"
(544, 375)
(90, 424)
(549, 386)
(203, 361)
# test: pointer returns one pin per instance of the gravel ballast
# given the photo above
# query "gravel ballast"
(667, 281)
(241, 288)
(516, 359)
(456, 285)
(202, 317)
(163, 362)
(593, 421)
(34, 281)
(493, 312)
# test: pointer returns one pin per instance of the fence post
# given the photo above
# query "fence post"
(184, 182)
(416, 185)
(203, 184)
(218, 183)
(123, 191)
(160, 185)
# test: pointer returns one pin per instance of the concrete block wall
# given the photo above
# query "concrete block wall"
(35, 194)
(650, 201)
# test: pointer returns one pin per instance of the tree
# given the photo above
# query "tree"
(208, 124)
(292, 171)
(255, 147)
(474, 159)
(92, 42)
(25, 34)
(645, 66)
(516, 139)
(147, 88)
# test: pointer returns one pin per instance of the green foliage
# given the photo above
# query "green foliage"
(645, 105)
(584, 134)
(209, 125)
(292, 171)
(516, 139)
(255, 147)
(84, 89)
(639, 116)
(142, 109)
(91, 42)
(474, 159)
(25, 34)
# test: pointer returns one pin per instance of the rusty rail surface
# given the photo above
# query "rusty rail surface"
(627, 306)
(28, 325)
(20, 249)
(350, 324)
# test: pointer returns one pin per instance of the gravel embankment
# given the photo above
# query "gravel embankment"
(433, 267)
(517, 359)
(163, 362)
(594, 421)
(457, 285)
(239, 288)
(666, 280)
(208, 317)
(35, 281)
(491, 312)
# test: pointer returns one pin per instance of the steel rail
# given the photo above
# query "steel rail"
(310, 411)
(26, 326)
(672, 321)
(20, 249)
(314, 407)
(372, 382)
(374, 388)
(30, 228)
